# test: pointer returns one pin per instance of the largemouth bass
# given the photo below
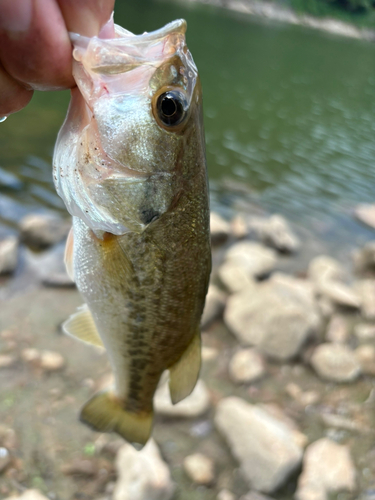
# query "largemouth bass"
(129, 164)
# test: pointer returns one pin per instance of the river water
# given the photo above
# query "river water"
(289, 115)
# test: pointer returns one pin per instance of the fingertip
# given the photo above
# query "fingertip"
(13, 96)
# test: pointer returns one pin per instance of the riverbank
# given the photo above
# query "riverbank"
(286, 392)
(279, 13)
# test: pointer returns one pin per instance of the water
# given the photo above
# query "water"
(289, 114)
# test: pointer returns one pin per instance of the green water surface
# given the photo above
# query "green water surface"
(289, 115)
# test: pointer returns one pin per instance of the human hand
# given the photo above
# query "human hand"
(35, 50)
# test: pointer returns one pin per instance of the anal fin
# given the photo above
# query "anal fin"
(105, 413)
(82, 326)
(184, 374)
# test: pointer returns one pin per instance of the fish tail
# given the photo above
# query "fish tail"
(105, 413)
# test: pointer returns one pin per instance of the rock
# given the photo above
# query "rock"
(214, 306)
(327, 469)
(29, 495)
(365, 355)
(220, 229)
(142, 475)
(51, 361)
(8, 438)
(7, 360)
(364, 258)
(278, 318)
(366, 292)
(276, 412)
(42, 231)
(255, 259)
(233, 277)
(225, 495)
(305, 398)
(263, 445)
(278, 234)
(337, 421)
(58, 279)
(199, 468)
(336, 363)
(366, 214)
(337, 330)
(325, 307)
(324, 268)
(340, 294)
(81, 468)
(193, 406)
(4, 459)
(254, 495)
(246, 366)
(31, 356)
(48, 267)
(8, 255)
(364, 332)
(209, 353)
(239, 227)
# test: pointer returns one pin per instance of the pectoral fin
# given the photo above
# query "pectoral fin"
(82, 326)
(105, 413)
(68, 256)
(184, 374)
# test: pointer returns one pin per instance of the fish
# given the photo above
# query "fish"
(129, 164)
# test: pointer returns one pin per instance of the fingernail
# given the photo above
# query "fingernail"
(15, 15)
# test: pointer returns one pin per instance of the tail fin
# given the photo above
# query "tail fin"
(104, 413)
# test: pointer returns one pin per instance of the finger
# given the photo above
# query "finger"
(13, 96)
(34, 43)
(86, 17)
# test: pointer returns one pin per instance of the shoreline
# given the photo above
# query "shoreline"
(275, 12)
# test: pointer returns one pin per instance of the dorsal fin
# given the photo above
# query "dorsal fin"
(81, 325)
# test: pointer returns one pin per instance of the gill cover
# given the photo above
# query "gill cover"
(116, 154)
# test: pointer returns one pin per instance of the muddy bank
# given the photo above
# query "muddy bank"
(278, 13)
(286, 393)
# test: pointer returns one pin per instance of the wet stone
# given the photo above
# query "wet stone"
(225, 495)
(364, 258)
(256, 260)
(199, 468)
(219, 228)
(277, 233)
(193, 406)
(324, 268)
(233, 277)
(366, 214)
(8, 255)
(214, 306)
(365, 355)
(239, 227)
(263, 445)
(142, 475)
(43, 230)
(246, 366)
(336, 363)
(364, 332)
(327, 469)
(337, 330)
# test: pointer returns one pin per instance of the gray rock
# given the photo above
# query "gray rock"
(29, 495)
(366, 214)
(337, 330)
(336, 363)
(193, 406)
(365, 355)
(324, 268)
(255, 259)
(239, 227)
(263, 445)
(233, 277)
(225, 495)
(364, 258)
(42, 231)
(339, 294)
(278, 234)
(219, 228)
(199, 468)
(4, 459)
(364, 332)
(48, 267)
(142, 475)
(214, 306)
(366, 292)
(278, 317)
(254, 495)
(246, 366)
(8, 255)
(327, 469)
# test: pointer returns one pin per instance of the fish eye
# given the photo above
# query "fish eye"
(171, 108)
